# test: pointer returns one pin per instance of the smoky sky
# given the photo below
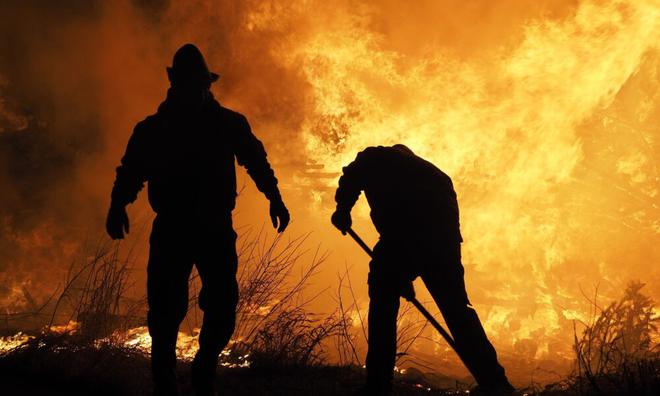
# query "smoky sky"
(543, 113)
(50, 81)
(69, 72)
(39, 155)
(49, 129)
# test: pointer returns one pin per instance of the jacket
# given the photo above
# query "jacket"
(188, 162)
(409, 196)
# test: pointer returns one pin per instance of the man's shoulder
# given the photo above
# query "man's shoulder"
(229, 115)
(438, 174)
(149, 123)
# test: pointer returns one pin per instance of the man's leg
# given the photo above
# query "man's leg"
(383, 310)
(443, 276)
(168, 271)
(216, 263)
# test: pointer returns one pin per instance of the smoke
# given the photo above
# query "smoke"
(520, 126)
(544, 113)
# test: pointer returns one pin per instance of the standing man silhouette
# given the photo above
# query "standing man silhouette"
(414, 208)
(185, 152)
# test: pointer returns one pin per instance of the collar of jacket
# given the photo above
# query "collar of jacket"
(169, 109)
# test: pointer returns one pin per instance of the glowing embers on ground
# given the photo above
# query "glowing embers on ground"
(10, 343)
(137, 339)
(186, 346)
(69, 328)
(20, 339)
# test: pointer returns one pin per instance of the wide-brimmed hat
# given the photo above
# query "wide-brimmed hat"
(189, 66)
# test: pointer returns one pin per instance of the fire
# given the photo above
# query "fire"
(508, 130)
(186, 345)
(137, 339)
(69, 328)
(545, 114)
(10, 343)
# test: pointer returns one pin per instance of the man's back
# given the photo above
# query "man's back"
(407, 194)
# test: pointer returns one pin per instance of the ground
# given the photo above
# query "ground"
(72, 370)
(61, 365)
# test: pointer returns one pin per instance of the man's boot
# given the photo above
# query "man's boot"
(166, 388)
(163, 368)
(501, 389)
(203, 375)
(371, 390)
(376, 387)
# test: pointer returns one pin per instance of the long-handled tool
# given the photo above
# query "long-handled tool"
(416, 303)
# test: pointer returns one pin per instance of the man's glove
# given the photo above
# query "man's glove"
(407, 290)
(279, 211)
(342, 220)
(117, 222)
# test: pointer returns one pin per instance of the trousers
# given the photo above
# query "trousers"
(440, 267)
(175, 246)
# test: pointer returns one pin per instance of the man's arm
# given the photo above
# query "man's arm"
(129, 181)
(250, 153)
(351, 184)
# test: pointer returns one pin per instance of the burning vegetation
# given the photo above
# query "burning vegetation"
(275, 330)
(544, 113)
(616, 350)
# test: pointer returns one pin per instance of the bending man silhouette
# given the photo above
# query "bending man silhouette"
(414, 208)
(185, 152)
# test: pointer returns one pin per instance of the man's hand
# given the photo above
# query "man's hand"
(407, 290)
(117, 222)
(342, 220)
(279, 212)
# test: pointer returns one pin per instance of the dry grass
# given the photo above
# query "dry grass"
(284, 339)
(617, 352)
(352, 329)
(273, 323)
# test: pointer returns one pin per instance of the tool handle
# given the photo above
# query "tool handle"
(435, 324)
(411, 299)
(360, 242)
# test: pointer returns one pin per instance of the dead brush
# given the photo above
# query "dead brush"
(293, 338)
(346, 338)
(273, 324)
(271, 319)
(100, 301)
(617, 353)
(95, 293)
(352, 329)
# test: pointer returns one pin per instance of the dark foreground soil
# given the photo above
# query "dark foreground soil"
(311, 381)
(64, 367)
(72, 370)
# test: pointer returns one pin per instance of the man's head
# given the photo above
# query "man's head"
(403, 149)
(189, 77)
